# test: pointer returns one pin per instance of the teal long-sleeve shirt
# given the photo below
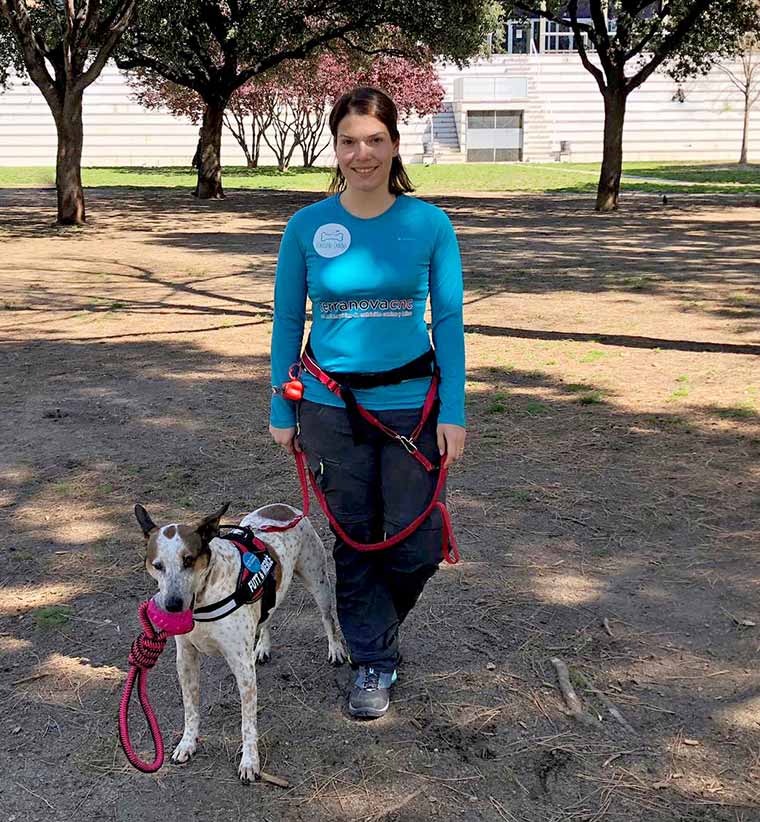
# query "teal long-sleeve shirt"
(369, 281)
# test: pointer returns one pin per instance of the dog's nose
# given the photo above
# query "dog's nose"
(174, 604)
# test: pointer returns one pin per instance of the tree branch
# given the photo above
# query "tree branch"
(639, 47)
(603, 45)
(595, 72)
(181, 79)
(739, 84)
(668, 45)
(118, 27)
(531, 8)
(301, 50)
(391, 52)
(218, 25)
(32, 51)
(68, 39)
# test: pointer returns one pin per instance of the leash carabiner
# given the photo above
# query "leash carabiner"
(407, 443)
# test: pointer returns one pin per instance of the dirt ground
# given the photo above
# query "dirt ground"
(607, 512)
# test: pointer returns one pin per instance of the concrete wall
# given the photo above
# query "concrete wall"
(706, 126)
(566, 106)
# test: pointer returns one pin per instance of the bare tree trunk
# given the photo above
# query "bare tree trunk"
(743, 157)
(209, 163)
(608, 192)
(68, 172)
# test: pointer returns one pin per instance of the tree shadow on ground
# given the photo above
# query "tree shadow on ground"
(567, 514)
(700, 254)
(570, 507)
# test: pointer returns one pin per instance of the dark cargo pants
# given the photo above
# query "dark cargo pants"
(374, 490)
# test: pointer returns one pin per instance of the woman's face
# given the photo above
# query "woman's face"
(365, 152)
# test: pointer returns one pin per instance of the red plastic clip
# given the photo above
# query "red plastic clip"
(293, 389)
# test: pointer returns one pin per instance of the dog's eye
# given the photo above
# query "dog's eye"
(188, 562)
(159, 566)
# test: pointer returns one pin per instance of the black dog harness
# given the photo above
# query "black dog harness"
(255, 581)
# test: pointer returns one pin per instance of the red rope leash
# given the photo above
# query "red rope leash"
(144, 654)
(449, 544)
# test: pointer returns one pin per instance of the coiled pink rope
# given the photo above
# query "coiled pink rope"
(144, 654)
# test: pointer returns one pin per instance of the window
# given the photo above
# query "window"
(494, 136)
(480, 119)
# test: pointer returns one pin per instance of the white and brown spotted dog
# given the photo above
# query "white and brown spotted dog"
(194, 567)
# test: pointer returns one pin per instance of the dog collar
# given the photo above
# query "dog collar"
(255, 579)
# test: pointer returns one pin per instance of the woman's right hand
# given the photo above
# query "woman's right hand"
(285, 438)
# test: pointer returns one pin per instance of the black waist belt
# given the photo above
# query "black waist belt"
(419, 368)
(422, 366)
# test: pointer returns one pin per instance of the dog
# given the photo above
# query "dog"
(193, 567)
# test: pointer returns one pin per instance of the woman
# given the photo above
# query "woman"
(368, 257)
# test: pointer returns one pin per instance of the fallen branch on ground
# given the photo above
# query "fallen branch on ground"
(571, 698)
(611, 707)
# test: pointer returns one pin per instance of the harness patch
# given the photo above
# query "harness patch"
(256, 580)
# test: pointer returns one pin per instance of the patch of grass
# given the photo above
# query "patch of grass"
(592, 398)
(578, 178)
(63, 488)
(744, 300)
(593, 356)
(496, 408)
(740, 411)
(116, 306)
(682, 392)
(52, 616)
(534, 407)
(640, 283)
(675, 423)
(577, 387)
(519, 495)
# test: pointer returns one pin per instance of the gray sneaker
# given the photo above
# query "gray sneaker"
(370, 696)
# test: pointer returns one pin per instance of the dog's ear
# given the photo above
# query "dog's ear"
(146, 523)
(208, 527)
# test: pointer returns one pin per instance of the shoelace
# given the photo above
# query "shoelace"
(371, 680)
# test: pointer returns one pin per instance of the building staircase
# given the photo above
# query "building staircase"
(445, 138)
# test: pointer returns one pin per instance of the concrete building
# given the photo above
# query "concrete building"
(535, 104)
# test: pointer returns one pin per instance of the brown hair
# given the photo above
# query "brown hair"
(376, 103)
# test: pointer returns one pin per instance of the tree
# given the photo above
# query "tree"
(687, 36)
(75, 39)
(496, 41)
(215, 46)
(747, 80)
(288, 106)
(247, 104)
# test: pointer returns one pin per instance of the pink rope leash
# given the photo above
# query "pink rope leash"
(144, 654)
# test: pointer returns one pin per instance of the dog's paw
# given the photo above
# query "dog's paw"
(337, 654)
(263, 650)
(248, 773)
(263, 655)
(184, 751)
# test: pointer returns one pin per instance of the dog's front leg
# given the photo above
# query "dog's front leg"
(244, 668)
(188, 669)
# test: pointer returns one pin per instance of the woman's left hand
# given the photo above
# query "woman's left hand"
(451, 442)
